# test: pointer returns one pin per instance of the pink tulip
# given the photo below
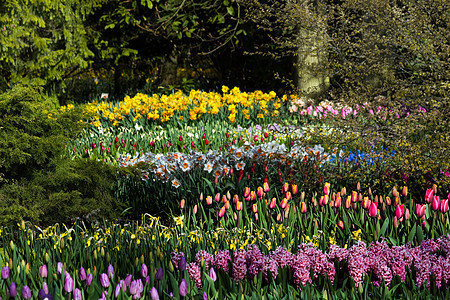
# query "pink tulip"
(429, 195)
(209, 200)
(266, 187)
(399, 210)
(255, 208)
(348, 202)
(436, 202)
(283, 203)
(182, 203)
(246, 192)
(273, 203)
(366, 203)
(326, 189)
(373, 209)
(303, 208)
(260, 192)
(285, 187)
(239, 206)
(444, 205)
(217, 197)
(338, 202)
(420, 210)
(222, 211)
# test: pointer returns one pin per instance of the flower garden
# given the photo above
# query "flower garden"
(238, 195)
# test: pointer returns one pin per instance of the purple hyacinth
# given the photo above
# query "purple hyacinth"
(254, 259)
(271, 265)
(282, 256)
(221, 260)
(239, 265)
(195, 274)
(300, 266)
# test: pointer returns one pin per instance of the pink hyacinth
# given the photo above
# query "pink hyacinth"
(195, 274)
(221, 260)
(207, 258)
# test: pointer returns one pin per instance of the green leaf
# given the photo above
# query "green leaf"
(230, 10)
(412, 234)
(384, 227)
(420, 236)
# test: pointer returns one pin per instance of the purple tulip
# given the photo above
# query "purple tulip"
(154, 294)
(43, 271)
(212, 274)
(59, 268)
(45, 287)
(82, 274)
(26, 292)
(183, 289)
(123, 285)
(110, 271)
(205, 296)
(136, 287)
(144, 271)
(5, 272)
(117, 290)
(77, 294)
(41, 294)
(13, 290)
(68, 283)
(104, 280)
(159, 274)
(182, 263)
(89, 279)
(128, 279)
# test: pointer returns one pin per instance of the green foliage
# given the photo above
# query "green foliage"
(36, 185)
(43, 42)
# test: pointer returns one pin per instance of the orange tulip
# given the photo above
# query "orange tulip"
(255, 208)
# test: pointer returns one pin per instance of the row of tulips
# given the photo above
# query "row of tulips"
(223, 273)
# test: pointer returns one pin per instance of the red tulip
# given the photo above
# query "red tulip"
(228, 135)
(341, 224)
(204, 135)
(266, 135)
(285, 187)
(206, 142)
(399, 210)
(217, 197)
(235, 199)
(420, 210)
(180, 138)
(253, 195)
(436, 202)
